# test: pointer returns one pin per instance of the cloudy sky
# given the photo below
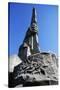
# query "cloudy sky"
(19, 16)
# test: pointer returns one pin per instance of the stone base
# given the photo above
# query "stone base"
(41, 69)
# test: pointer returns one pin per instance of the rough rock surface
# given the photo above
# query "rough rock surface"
(40, 69)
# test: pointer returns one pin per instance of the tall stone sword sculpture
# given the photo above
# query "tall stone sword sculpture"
(30, 44)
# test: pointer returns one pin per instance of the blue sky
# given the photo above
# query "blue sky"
(19, 16)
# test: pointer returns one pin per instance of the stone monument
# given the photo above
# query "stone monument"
(36, 68)
(30, 44)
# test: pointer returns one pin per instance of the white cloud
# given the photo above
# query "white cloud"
(14, 60)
